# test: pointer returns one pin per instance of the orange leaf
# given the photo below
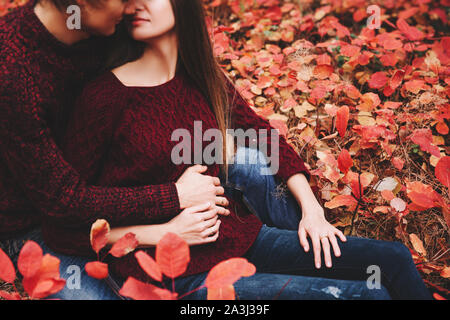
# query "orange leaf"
(99, 234)
(445, 273)
(342, 116)
(417, 244)
(7, 271)
(280, 125)
(345, 161)
(442, 171)
(138, 290)
(30, 259)
(341, 200)
(149, 265)
(323, 71)
(421, 194)
(228, 272)
(398, 163)
(387, 195)
(224, 293)
(97, 269)
(124, 245)
(172, 255)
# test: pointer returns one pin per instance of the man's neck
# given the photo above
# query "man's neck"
(55, 22)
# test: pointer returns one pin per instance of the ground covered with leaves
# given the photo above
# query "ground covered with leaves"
(365, 105)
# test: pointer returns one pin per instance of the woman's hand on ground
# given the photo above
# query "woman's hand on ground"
(321, 232)
(195, 188)
(197, 225)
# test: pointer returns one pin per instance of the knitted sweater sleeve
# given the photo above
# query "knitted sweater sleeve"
(49, 181)
(243, 117)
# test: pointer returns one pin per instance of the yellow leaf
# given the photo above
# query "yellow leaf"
(417, 244)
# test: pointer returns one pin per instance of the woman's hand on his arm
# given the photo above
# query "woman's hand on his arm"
(197, 225)
(195, 188)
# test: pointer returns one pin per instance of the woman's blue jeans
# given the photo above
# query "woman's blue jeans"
(366, 269)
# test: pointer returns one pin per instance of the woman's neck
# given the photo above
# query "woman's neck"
(55, 22)
(156, 66)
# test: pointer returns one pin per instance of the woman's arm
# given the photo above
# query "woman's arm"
(196, 225)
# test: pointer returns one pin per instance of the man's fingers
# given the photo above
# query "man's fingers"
(220, 190)
(198, 168)
(316, 248)
(326, 251)
(199, 207)
(334, 244)
(303, 240)
(216, 181)
(223, 211)
(222, 201)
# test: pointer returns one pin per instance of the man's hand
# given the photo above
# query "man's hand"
(195, 188)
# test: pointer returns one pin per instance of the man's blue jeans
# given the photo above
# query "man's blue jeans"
(366, 269)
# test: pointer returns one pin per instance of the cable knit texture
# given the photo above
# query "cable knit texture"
(121, 136)
(39, 78)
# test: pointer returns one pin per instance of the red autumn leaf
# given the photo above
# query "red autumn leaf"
(398, 163)
(30, 259)
(172, 255)
(97, 269)
(149, 265)
(99, 234)
(357, 188)
(323, 71)
(412, 33)
(138, 290)
(224, 293)
(342, 116)
(319, 92)
(46, 281)
(228, 272)
(378, 80)
(424, 138)
(345, 161)
(7, 271)
(124, 245)
(341, 200)
(442, 171)
(421, 194)
(280, 125)
(396, 79)
(10, 296)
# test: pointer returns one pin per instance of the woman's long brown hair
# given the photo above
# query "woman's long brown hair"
(195, 52)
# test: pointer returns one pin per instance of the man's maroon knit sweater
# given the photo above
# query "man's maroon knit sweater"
(39, 78)
(121, 136)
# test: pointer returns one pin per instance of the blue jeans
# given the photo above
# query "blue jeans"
(79, 286)
(366, 269)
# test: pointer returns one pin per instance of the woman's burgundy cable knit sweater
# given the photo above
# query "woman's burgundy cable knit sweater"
(121, 136)
(39, 80)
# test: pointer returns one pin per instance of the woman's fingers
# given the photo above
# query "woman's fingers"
(340, 235)
(334, 244)
(316, 249)
(326, 250)
(211, 230)
(303, 239)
